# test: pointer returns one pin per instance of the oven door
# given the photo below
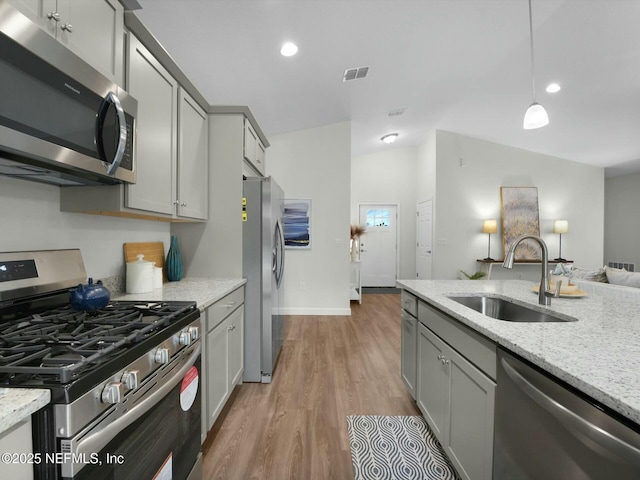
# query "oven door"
(163, 443)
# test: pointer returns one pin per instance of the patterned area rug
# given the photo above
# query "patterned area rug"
(396, 448)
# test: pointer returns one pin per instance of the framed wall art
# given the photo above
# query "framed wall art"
(297, 224)
(519, 206)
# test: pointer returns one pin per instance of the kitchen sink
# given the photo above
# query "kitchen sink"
(502, 309)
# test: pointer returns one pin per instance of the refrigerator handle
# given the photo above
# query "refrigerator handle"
(278, 260)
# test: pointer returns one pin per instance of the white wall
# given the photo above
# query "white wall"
(621, 219)
(31, 220)
(388, 177)
(315, 164)
(469, 174)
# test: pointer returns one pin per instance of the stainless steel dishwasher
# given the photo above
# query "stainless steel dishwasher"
(544, 430)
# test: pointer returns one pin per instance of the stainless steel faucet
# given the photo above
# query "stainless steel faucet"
(544, 292)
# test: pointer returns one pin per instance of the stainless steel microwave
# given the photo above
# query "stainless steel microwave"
(61, 121)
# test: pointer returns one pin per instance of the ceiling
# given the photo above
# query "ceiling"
(456, 65)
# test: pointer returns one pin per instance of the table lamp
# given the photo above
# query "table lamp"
(560, 227)
(489, 227)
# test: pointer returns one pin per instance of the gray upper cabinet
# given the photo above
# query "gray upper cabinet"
(172, 154)
(172, 141)
(254, 149)
(157, 131)
(93, 30)
(193, 158)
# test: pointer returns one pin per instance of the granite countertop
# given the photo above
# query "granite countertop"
(598, 354)
(204, 291)
(17, 404)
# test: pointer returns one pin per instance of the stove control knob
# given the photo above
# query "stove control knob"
(130, 379)
(195, 333)
(112, 393)
(162, 356)
(185, 338)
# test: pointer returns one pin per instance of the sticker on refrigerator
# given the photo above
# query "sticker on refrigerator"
(189, 389)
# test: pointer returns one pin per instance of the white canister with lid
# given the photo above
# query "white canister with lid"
(140, 275)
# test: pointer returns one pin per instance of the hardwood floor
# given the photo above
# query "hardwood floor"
(329, 367)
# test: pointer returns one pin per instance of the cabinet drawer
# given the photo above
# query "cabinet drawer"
(409, 303)
(223, 307)
(473, 346)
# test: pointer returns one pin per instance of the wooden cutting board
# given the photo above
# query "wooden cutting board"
(152, 251)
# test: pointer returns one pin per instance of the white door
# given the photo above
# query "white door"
(424, 229)
(378, 254)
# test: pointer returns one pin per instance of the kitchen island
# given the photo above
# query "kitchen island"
(599, 354)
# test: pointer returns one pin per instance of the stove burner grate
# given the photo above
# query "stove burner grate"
(63, 342)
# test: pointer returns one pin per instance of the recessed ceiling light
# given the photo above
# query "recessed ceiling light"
(553, 88)
(390, 138)
(288, 49)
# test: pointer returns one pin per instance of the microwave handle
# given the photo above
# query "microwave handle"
(122, 141)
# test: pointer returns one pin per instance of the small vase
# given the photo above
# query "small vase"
(355, 249)
(174, 261)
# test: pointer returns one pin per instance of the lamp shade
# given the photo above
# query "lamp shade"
(535, 117)
(561, 226)
(490, 226)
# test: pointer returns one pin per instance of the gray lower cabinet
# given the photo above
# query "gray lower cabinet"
(223, 356)
(17, 441)
(409, 342)
(455, 396)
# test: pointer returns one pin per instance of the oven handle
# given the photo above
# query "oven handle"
(97, 440)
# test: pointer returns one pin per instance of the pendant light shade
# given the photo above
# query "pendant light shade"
(535, 116)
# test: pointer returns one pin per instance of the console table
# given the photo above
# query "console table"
(355, 285)
(487, 265)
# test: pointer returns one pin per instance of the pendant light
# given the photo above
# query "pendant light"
(536, 116)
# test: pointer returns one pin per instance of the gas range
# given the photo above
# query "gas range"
(115, 374)
(70, 351)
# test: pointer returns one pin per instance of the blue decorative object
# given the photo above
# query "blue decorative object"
(89, 297)
(174, 261)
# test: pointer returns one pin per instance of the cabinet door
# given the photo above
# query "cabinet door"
(236, 347)
(17, 440)
(193, 158)
(157, 95)
(94, 30)
(36, 11)
(217, 370)
(250, 143)
(432, 393)
(261, 157)
(40, 12)
(469, 429)
(408, 366)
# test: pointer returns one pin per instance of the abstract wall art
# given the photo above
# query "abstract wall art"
(297, 224)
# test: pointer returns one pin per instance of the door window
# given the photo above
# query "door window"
(377, 218)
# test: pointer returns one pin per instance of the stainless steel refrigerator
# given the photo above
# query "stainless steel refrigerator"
(263, 267)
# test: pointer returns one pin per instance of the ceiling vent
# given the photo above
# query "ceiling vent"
(396, 112)
(355, 73)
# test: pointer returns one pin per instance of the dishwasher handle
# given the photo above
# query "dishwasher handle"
(575, 424)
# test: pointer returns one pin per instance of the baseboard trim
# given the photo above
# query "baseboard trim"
(316, 311)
